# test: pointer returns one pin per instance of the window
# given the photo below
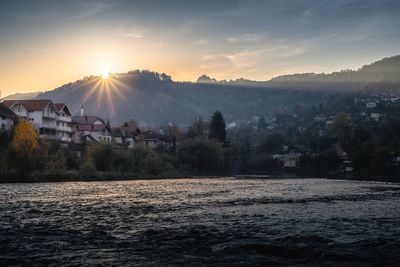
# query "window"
(3, 126)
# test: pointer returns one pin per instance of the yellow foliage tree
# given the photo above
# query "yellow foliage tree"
(24, 142)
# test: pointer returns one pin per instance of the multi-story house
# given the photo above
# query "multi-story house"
(63, 122)
(90, 129)
(7, 118)
(122, 137)
(155, 140)
(51, 120)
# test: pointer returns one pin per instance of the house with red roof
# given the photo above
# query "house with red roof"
(90, 129)
(51, 120)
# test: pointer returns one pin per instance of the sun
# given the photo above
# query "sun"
(105, 75)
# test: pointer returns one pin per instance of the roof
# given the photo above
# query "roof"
(6, 112)
(116, 132)
(91, 127)
(31, 105)
(88, 120)
(152, 135)
(60, 106)
(86, 123)
(300, 148)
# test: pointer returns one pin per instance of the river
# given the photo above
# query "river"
(218, 222)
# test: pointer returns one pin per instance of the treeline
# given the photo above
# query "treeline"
(345, 148)
(25, 157)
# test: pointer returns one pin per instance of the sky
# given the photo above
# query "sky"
(44, 44)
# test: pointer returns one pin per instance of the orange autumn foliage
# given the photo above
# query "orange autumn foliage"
(25, 141)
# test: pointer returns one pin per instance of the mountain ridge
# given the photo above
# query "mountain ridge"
(154, 98)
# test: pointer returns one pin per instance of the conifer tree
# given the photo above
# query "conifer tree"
(217, 129)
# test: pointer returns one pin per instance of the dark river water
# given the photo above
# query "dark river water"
(218, 222)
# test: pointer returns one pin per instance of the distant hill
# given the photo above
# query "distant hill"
(385, 70)
(21, 96)
(154, 98)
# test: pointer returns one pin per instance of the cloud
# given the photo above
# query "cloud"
(248, 38)
(34, 49)
(257, 59)
(201, 42)
(89, 9)
(131, 34)
(68, 11)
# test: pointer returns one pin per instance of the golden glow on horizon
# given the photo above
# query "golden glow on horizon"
(106, 90)
(105, 75)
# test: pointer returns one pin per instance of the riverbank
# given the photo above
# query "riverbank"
(77, 176)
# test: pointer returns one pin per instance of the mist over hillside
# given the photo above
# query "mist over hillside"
(21, 96)
(154, 98)
(385, 70)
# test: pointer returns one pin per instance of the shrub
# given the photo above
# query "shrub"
(201, 155)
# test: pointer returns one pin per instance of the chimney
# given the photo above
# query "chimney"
(82, 110)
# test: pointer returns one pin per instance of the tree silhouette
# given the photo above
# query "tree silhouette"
(217, 130)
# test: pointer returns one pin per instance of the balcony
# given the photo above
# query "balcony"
(64, 118)
(50, 125)
(49, 115)
(47, 132)
(21, 114)
(64, 129)
(65, 139)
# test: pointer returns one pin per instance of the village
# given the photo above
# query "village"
(307, 138)
(55, 121)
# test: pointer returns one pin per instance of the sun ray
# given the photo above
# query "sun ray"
(115, 88)
(99, 98)
(110, 104)
(87, 95)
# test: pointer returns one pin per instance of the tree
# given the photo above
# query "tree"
(198, 128)
(154, 164)
(201, 155)
(245, 154)
(271, 143)
(25, 146)
(25, 139)
(343, 130)
(57, 161)
(102, 156)
(217, 129)
(3, 164)
(261, 124)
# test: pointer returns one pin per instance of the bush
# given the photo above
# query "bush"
(101, 155)
(154, 164)
(57, 162)
(201, 155)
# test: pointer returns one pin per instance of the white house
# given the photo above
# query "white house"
(63, 122)
(89, 129)
(7, 118)
(51, 120)
(375, 116)
(122, 137)
(371, 105)
(291, 158)
(320, 118)
(154, 140)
